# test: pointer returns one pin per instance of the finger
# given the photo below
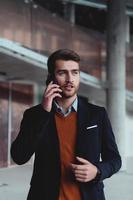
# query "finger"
(82, 160)
(50, 86)
(50, 89)
(77, 176)
(50, 92)
(55, 95)
(74, 167)
(78, 167)
(82, 172)
(51, 82)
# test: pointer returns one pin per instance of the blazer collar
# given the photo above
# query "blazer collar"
(83, 113)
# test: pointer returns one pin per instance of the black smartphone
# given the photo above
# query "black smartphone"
(49, 79)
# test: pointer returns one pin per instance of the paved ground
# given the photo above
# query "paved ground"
(14, 184)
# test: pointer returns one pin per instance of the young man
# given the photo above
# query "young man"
(73, 142)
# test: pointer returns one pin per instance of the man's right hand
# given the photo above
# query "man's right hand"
(52, 91)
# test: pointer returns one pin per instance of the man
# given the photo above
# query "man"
(73, 142)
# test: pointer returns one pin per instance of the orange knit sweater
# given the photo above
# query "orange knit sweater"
(67, 133)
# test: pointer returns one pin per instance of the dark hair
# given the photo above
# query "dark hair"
(61, 54)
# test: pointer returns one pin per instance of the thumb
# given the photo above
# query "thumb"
(82, 160)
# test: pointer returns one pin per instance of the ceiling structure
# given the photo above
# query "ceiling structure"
(89, 13)
(19, 64)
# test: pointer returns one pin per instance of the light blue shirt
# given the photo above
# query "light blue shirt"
(72, 108)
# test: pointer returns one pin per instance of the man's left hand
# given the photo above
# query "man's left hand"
(85, 171)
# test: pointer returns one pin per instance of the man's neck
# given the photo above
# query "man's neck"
(65, 103)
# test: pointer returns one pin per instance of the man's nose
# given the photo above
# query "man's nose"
(69, 77)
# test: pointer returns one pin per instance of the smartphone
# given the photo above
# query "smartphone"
(49, 79)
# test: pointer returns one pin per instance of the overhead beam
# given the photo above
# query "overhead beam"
(16, 50)
(100, 5)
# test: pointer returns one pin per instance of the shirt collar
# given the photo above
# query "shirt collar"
(73, 107)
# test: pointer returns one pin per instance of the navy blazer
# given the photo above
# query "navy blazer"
(95, 142)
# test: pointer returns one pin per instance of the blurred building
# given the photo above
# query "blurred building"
(29, 32)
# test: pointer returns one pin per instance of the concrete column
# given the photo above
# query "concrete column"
(69, 12)
(9, 124)
(116, 49)
(127, 30)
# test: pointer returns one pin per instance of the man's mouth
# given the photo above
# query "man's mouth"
(68, 86)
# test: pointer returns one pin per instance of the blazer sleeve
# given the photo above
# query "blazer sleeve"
(31, 131)
(110, 158)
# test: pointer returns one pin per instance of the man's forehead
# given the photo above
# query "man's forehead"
(67, 64)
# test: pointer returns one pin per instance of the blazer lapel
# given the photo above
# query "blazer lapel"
(83, 119)
(83, 114)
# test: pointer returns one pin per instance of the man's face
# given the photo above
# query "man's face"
(67, 76)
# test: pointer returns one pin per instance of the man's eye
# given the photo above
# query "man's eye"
(61, 73)
(75, 72)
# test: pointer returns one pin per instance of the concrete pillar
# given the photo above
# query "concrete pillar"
(127, 30)
(116, 50)
(69, 12)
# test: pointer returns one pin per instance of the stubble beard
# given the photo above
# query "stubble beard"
(66, 95)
